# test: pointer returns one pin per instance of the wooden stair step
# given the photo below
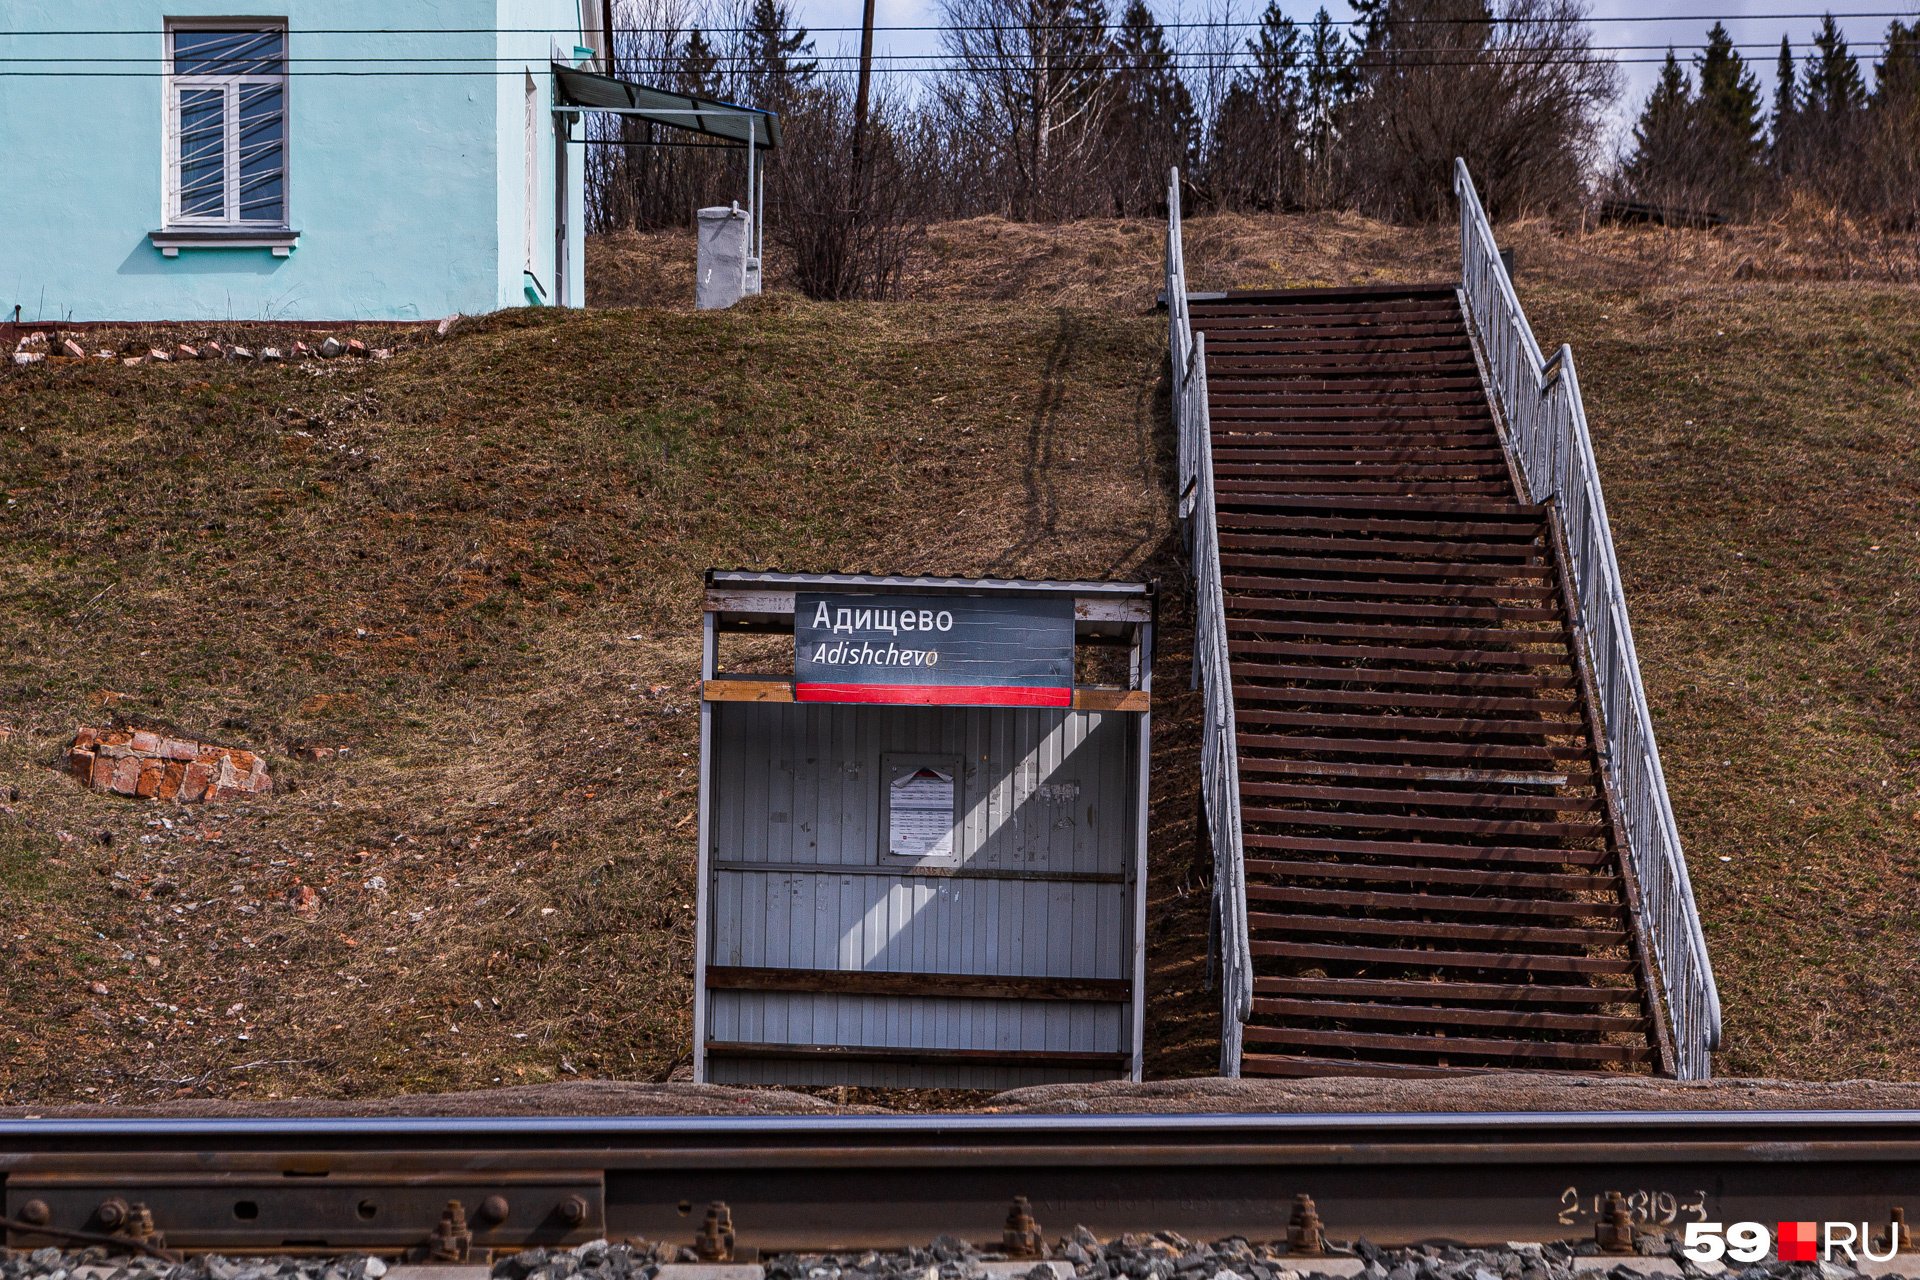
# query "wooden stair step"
(1470, 1046)
(1413, 773)
(1257, 694)
(1412, 958)
(1368, 873)
(1448, 1016)
(1423, 799)
(1416, 822)
(1451, 930)
(1428, 902)
(1450, 993)
(1427, 851)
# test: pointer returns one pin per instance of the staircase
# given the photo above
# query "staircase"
(1432, 873)
(1432, 882)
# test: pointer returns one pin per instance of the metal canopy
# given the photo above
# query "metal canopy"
(586, 91)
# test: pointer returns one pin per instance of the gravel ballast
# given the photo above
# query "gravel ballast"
(1161, 1255)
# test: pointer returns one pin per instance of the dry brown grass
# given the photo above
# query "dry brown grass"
(1116, 264)
(477, 565)
(517, 520)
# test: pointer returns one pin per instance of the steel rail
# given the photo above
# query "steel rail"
(1539, 399)
(812, 1182)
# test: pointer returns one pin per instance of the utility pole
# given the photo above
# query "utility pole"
(860, 99)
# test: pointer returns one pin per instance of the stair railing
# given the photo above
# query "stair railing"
(1547, 428)
(1219, 752)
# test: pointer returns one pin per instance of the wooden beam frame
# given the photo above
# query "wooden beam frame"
(866, 982)
(1115, 1062)
(736, 689)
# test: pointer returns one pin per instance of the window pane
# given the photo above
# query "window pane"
(262, 153)
(229, 53)
(203, 148)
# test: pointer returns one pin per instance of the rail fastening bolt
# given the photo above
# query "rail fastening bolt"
(1614, 1232)
(38, 1214)
(1303, 1229)
(714, 1241)
(494, 1210)
(573, 1211)
(1021, 1238)
(112, 1213)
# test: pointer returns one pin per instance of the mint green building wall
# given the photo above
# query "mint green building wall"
(407, 186)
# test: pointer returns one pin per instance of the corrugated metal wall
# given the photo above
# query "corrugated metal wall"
(1041, 888)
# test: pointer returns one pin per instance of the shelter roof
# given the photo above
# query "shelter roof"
(588, 91)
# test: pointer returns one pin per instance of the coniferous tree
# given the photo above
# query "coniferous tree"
(1892, 149)
(699, 65)
(1729, 93)
(1152, 120)
(776, 52)
(1897, 75)
(1329, 83)
(1729, 119)
(1665, 156)
(1834, 89)
(1786, 97)
(1256, 160)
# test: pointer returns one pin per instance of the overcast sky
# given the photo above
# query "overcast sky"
(1756, 28)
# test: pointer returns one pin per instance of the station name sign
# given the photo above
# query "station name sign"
(969, 651)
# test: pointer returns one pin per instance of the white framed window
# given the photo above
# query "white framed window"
(226, 125)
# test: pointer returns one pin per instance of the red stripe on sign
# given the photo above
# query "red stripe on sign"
(974, 695)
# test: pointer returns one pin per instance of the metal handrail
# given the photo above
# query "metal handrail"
(1547, 432)
(1219, 752)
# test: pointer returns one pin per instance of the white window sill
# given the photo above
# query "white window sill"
(171, 241)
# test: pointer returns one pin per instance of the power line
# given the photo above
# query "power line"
(1229, 59)
(1766, 47)
(1166, 26)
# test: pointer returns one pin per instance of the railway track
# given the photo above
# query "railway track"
(809, 1183)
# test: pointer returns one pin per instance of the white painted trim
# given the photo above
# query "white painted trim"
(231, 86)
(703, 869)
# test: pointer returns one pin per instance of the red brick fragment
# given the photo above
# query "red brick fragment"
(118, 738)
(355, 347)
(80, 764)
(103, 771)
(68, 347)
(146, 743)
(193, 785)
(175, 749)
(85, 739)
(151, 772)
(171, 776)
(126, 775)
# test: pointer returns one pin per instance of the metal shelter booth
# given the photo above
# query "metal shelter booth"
(923, 843)
(729, 125)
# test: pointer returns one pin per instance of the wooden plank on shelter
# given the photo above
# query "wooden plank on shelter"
(896, 983)
(747, 690)
(917, 1057)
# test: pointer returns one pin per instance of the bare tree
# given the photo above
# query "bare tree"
(1030, 81)
(847, 224)
(1515, 88)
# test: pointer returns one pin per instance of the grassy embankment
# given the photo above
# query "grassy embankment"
(477, 566)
